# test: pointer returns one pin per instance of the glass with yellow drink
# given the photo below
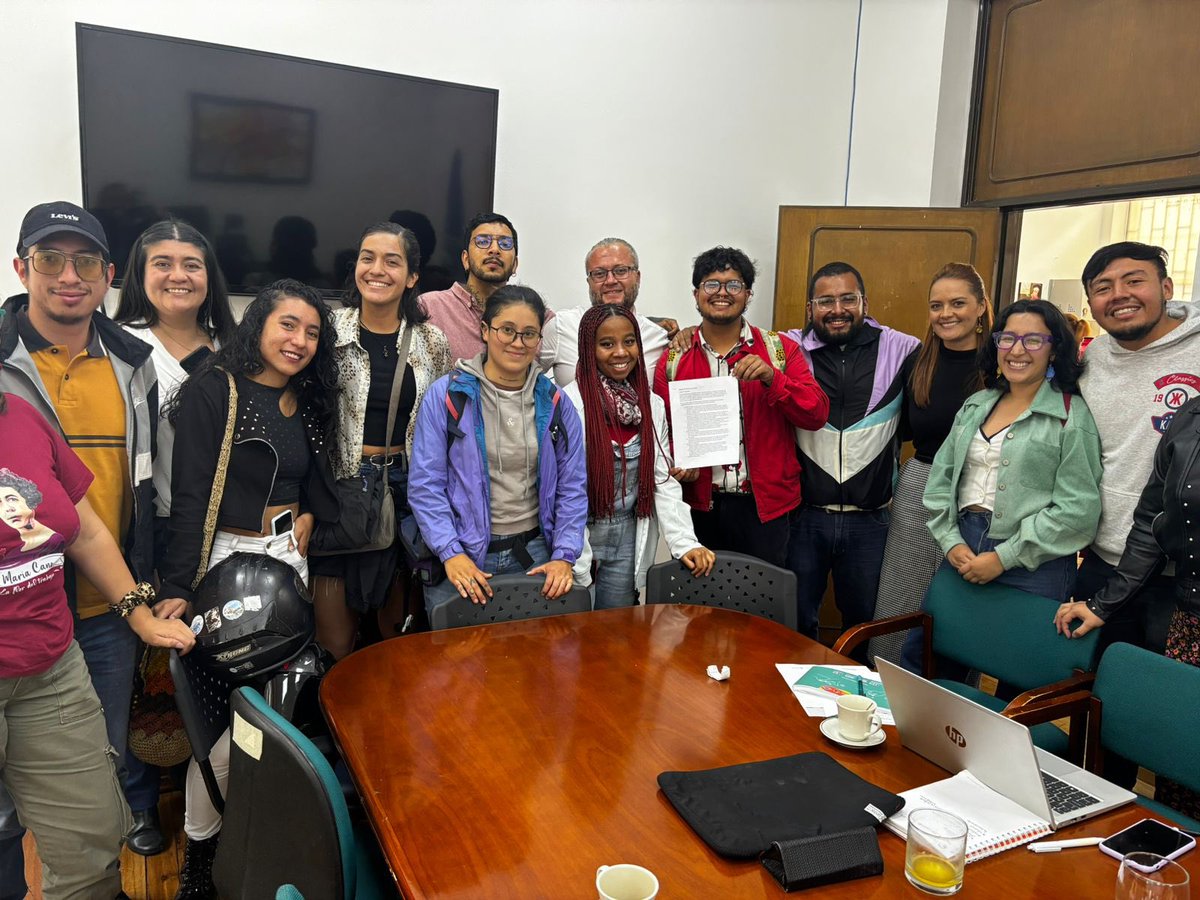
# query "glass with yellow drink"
(936, 852)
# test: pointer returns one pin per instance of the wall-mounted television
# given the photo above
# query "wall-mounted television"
(280, 161)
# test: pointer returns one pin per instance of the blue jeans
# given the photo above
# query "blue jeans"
(614, 547)
(850, 544)
(110, 649)
(1054, 579)
(501, 562)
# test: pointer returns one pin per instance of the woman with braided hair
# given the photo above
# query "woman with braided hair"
(627, 500)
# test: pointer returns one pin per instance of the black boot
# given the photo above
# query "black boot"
(195, 878)
(146, 838)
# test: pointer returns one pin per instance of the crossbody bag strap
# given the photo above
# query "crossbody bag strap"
(218, 486)
(394, 398)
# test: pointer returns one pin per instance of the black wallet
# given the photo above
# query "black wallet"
(824, 859)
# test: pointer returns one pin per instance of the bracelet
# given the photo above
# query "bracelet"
(142, 593)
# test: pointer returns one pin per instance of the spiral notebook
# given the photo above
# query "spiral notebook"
(994, 823)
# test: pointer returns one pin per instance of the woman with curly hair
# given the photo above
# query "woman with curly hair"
(379, 318)
(630, 492)
(1014, 491)
(281, 361)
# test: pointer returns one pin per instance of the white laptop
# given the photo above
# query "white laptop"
(957, 733)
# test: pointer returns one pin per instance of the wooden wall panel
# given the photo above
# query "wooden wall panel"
(897, 250)
(1087, 99)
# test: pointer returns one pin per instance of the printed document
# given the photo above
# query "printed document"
(705, 421)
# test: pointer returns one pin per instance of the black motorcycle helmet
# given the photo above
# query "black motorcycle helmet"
(252, 615)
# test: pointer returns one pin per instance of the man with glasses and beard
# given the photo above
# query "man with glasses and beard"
(613, 276)
(95, 383)
(848, 467)
(489, 258)
(744, 506)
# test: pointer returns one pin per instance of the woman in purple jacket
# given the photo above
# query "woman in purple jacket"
(498, 479)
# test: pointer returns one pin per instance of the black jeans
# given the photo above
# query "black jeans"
(733, 524)
(1144, 620)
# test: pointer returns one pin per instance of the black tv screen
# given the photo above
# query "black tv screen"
(280, 161)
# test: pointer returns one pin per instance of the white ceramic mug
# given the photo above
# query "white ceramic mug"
(625, 882)
(857, 719)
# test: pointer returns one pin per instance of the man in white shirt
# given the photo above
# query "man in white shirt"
(613, 276)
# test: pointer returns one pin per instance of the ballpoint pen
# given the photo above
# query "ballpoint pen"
(1055, 846)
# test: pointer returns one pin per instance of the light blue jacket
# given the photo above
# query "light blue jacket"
(1048, 490)
(448, 485)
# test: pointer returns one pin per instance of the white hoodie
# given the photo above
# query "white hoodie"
(1132, 395)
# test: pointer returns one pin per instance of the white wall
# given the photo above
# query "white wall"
(1057, 241)
(675, 124)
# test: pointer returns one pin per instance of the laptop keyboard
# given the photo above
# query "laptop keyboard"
(1063, 797)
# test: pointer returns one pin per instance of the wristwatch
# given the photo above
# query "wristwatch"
(143, 593)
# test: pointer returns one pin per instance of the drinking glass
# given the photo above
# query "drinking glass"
(936, 851)
(1170, 882)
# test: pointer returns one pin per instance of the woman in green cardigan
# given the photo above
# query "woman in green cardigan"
(1014, 492)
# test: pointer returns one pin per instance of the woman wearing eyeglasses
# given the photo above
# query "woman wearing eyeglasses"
(1014, 491)
(498, 481)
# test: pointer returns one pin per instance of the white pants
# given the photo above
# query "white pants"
(200, 818)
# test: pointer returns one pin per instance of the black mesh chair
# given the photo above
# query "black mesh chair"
(514, 597)
(738, 582)
(203, 700)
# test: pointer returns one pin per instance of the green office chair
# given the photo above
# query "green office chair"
(286, 822)
(738, 582)
(1004, 632)
(513, 597)
(1144, 707)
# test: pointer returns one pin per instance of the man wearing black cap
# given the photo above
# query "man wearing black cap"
(96, 384)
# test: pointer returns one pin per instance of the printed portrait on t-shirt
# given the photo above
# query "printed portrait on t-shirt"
(19, 500)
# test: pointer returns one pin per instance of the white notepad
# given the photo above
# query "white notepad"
(994, 823)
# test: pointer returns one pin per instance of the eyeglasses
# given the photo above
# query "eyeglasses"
(1032, 342)
(53, 262)
(508, 334)
(483, 241)
(732, 288)
(846, 301)
(618, 272)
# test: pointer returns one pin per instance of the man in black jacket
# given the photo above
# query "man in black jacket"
(848, 467)
(96, 384)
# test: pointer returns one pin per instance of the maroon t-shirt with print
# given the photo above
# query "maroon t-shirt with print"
(41, 480)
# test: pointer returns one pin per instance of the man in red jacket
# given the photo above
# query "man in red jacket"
(743, 506)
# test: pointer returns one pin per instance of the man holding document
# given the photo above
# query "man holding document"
(734, 396)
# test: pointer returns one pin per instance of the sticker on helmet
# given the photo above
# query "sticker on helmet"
(197, 624)
(233, 610)
(212, 618)
(253, 603)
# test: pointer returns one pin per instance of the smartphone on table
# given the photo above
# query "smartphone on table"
(1148, 836)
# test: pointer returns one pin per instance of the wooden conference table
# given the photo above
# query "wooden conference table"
(512, 760)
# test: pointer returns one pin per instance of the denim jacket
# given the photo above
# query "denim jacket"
(448, 483)
(1048, 492)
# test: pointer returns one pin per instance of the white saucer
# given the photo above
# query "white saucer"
(829, 728)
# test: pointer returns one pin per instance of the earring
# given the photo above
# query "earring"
(999, 371)
(1050, 372)
(979, 325)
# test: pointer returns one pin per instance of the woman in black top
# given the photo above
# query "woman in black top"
(379, 315)
(278, 480)
(944, 374)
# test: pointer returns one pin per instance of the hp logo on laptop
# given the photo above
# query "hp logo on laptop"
(955, 736)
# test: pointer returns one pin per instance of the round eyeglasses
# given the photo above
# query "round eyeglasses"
(1032, 342)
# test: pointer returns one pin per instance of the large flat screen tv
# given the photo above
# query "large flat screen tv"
(280, 161)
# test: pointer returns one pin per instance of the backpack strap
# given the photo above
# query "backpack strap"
(775, 349)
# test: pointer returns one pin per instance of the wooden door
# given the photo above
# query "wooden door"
(897, 250)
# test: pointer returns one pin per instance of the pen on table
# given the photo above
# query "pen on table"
(1055, 846)
(861, 692)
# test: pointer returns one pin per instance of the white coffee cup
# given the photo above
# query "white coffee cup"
(857, 718)
(625, 882)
